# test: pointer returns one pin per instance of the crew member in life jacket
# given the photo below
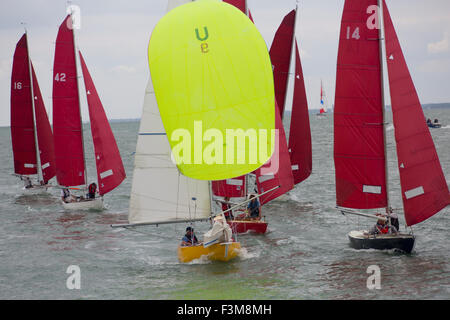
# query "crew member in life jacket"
(28, 183)
(226, 204)
(382, 227)
(66, 196)
(189, 238)
(92, 190)
(254, 208)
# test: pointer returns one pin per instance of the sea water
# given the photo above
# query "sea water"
(304, 255)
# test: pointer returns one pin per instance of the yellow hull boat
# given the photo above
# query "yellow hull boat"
(220, 251)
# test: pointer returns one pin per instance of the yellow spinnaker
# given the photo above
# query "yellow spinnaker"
(211, 73)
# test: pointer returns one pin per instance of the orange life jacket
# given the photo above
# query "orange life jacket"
(383, 229)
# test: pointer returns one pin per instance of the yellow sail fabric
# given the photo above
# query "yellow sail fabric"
(211, 73)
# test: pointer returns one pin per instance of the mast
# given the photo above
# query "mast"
(380, 39)
(290, 60)
(79, 102)
(36, 142)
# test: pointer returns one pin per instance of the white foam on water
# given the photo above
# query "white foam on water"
(244, 254)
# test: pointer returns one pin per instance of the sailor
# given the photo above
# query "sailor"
(428, 121)
(226, 204)
(394, 219)
(189, 238)
(436, 121)
(28, 183)
(254, 208)
(92, 190)
(65, 195)
(382, 227)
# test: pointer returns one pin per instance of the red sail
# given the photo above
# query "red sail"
(277, 171)
(300, 132)
(22, 128)
(232, 188)
(424, 188)
(280, 55)
(110, 170)
(67, 127)
(241, 5)
(359, 155)
(44, 133)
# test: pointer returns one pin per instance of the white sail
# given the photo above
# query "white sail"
(159, 191)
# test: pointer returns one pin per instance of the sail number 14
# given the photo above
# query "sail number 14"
(355, 34)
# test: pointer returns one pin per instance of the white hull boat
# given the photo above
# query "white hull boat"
(87, 204)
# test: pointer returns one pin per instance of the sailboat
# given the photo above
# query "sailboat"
(31, 134)
(295, 159)
(68, 130)
(362, 176)
(323, 108)
(161, 193)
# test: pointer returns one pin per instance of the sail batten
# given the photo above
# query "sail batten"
(424, 188)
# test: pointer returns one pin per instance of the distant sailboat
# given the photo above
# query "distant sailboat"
(31, 134)
(323, 109)
(68, 129)
(284, 45)
(161, 193)
(360, 131)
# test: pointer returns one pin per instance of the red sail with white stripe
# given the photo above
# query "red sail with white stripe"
(280, 55)
(44, 133)
(233, 188)
(110, 170)
(22, 127)
(300, 133)
(67, 127)
(359, 155)
(424, 188)
(277, 171)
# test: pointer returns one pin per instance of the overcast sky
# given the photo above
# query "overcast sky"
(114, 36)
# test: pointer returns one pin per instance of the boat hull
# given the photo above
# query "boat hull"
(35, 190)
(243, 226)
(401, 241)
(216, 252)
(95, 204)
(434, 125)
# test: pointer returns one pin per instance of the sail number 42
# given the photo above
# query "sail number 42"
(60, 77)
